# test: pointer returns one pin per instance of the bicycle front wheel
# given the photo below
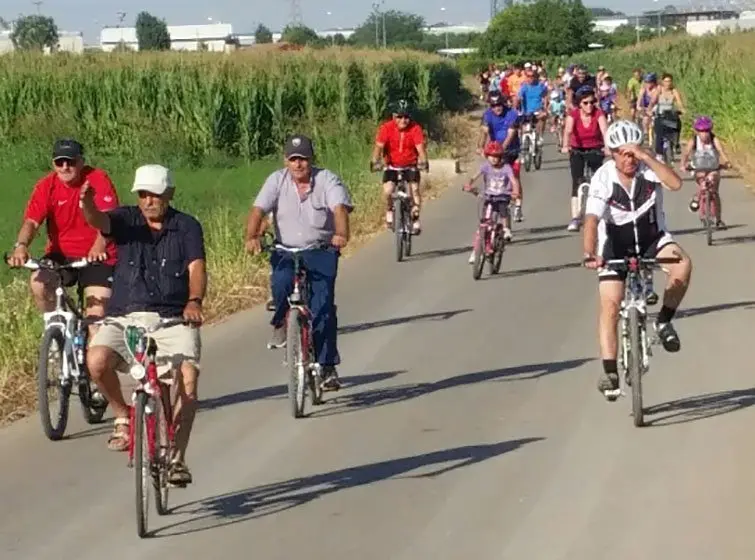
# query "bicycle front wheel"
(50, 390)
(142, 463)
(634, 367)
(398, 226)
(479, 253)
(708, 205)
(297, 357)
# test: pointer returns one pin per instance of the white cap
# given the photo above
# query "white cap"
(528, 65)
(152, 178)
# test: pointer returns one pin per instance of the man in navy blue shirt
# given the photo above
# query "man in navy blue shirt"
(500, 123)
(160, 273)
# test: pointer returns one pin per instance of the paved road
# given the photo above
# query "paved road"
(470, 427)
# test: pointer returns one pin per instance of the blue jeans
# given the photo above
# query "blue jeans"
(322, 267)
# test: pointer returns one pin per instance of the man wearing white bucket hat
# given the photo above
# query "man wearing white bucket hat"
(160, 273)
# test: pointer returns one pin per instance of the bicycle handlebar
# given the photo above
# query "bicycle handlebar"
(630, 262)
(47, 264)
(163, 323)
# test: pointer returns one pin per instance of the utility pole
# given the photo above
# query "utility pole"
(38, 3)
(375, 7)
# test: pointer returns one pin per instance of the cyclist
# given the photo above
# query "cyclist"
(580, 80)
(643, 101)
(584, 133)
(500, 184)
(557, 109)
(515, 81)
(161, 272)
(634, 86)
(663, 101)
(704, 142)
(532, 97)
(607, 94)
(309, 205)
(55, 200)
(625, 213)
(501, 124)
(401, 143)
(600, 75)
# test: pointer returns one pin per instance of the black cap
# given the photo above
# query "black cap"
(299, 145)
(67, 148)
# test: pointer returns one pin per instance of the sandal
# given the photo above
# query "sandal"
(179, 475)
(120, 438)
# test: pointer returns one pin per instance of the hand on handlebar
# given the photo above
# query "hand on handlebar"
(375, 166)
(18, 257)
(193, 313)
(593, 262)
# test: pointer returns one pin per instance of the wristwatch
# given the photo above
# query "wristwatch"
(18, 244)
(196, 300)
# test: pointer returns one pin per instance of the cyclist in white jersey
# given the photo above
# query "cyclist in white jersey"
(624, 216)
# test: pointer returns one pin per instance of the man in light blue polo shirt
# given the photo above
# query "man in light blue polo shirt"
(309, 205)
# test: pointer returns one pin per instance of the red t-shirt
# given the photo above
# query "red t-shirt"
(58, 204)
(587, 137)
(400, 145)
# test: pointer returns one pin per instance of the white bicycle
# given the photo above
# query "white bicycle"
(65, 336)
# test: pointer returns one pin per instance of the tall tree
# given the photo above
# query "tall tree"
(300, 35)
(401, 29)
(152, 33)
(34, 33)
(263, 35)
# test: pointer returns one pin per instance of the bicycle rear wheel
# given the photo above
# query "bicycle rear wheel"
(53, 423)
(398, 226)
(297, 359)
(538, 157)
(142, 463)
(92, 414)
(634, 367)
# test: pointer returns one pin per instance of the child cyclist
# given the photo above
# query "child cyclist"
(705, 149)
(557, 108)
(500, 185)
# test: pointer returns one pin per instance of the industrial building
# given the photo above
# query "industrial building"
(211, 37)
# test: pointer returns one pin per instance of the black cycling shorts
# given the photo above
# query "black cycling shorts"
(96, 274)
(410, 175)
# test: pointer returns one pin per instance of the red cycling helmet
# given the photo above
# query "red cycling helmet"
(494, 149)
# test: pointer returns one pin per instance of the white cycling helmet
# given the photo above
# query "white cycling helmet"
(555, 95)
(623, 132)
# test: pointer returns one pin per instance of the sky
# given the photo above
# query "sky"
(90, 15)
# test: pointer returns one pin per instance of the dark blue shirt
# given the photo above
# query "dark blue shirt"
(152, 271)
(499, 125)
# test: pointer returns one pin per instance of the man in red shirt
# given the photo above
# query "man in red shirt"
(55, 200)
(401, 143)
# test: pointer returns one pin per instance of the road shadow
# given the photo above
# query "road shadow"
(528, 271)
(700, 230)
(383, 396)
(101, 429)
(548, 166)
(548, 229)
(440, 253)
(700, 407)
(534, 240)
(704, 310)
(440, 316)
(736, 240)
(276, 392)
(270, 499)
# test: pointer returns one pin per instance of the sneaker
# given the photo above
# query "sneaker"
(507, 236)
(270, 305)
(416, 227)
(608, 382)
(330, 381)
(694, 205)
(471, 258)
(389, 219)
(721, 225)
(518, 216)
(179, 475)
(668, 336)
(278, 340)
(573, 225)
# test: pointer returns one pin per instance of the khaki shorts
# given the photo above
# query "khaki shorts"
(176, 344)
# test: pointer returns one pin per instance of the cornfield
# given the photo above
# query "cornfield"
(716, 75)
(197, 104)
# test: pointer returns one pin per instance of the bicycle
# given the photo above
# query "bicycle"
(558, 125)
(635, 343)
(531, 150)
(152, 429)
(66, 332)
(304, 373)
(670, 130)
(584, 185)
(402, 212)
(706, 163)
(489, 242)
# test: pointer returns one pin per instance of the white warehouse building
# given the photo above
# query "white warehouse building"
(182, 37)
(68, 41)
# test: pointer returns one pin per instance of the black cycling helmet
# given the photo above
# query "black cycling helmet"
(495, 98)
(402, 107)
(584, 91)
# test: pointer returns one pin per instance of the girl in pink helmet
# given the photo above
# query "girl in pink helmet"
(705, 152)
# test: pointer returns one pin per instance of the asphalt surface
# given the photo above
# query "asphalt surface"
(469, 426)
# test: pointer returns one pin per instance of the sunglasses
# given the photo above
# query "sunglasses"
(62, 161)
(588, 102)
(403, 117)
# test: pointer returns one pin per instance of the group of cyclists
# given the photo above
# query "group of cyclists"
(623, 213)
